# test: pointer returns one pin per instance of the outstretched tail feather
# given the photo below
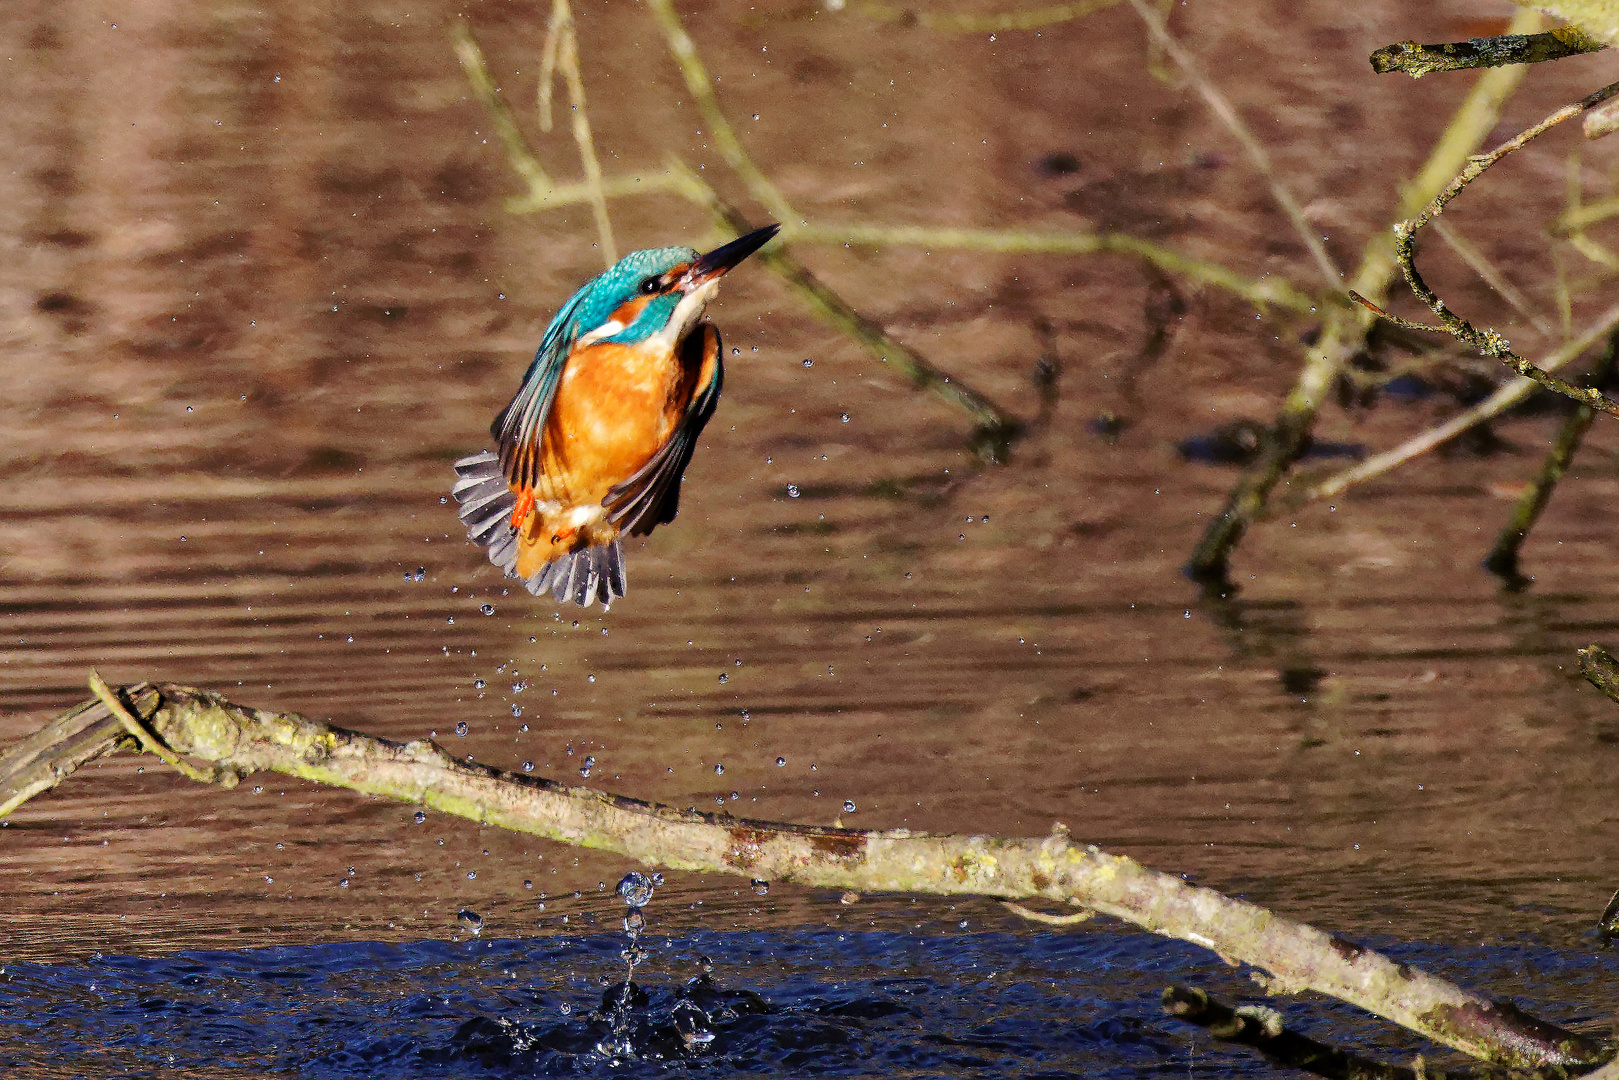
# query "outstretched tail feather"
(596, 573)
(486, 505)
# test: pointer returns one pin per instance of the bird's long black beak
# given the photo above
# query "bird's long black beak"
(725, 257)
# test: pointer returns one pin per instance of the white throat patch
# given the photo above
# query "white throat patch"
(686, 314)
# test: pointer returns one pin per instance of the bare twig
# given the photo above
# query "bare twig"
(148, 742)
(1045, 917)
(476, 70)
(1488, 342)
(701, 85)
(565, 48)
(1343, 331)
(1480, 52)
(239, 740)
(1255, 150)
(1503, 557)
(1503, 399)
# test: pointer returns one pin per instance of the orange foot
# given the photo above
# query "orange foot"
(525, 507)
(562, 535)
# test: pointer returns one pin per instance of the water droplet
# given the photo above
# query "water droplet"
(343, 884)
(528, 766)
(635, 889)
(421, 572)
(420, 817)
(590, 761)
(634, 923)
(517, 710)
(848, 806)
(478, 684)
(461, 728)
(519, 686)
(780, 762)
(808, 362)
(470, 919)
(590, 678)
(844, 417)
(487, 609)
(719, 770)
(760, 887)
(792, 491)
(724, 678)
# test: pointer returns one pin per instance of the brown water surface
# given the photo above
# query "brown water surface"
(258, 289)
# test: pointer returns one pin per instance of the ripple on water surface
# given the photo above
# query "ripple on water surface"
(824, 1003)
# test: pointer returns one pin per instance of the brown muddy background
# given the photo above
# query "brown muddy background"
(258, 289)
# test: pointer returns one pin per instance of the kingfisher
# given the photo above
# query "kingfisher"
(597, 440)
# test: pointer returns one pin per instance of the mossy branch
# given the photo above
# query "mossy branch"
(1601, 670)
(236, 740)
(1483, 52)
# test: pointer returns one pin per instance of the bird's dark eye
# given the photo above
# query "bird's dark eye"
(651, 285)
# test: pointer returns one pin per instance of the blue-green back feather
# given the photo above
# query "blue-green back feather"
(518, 426)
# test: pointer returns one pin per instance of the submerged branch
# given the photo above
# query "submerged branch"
(237, 740)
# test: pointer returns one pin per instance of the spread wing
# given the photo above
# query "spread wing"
(651, 497)
(519, 425)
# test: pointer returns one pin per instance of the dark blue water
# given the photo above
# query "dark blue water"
(825, 1003)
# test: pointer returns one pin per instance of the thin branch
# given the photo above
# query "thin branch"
(1256, 151)
(568, 63)
(476, 70)
(239, 741)
(1502, 560)
(1262, 293)
(996, 427)
(701, 85)
(148, 742)
(1488, 342)
(1487, 271)
(1046, 918)
(1344, 330)
(1482, 52)
(1003, 22)
(1503, 399)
